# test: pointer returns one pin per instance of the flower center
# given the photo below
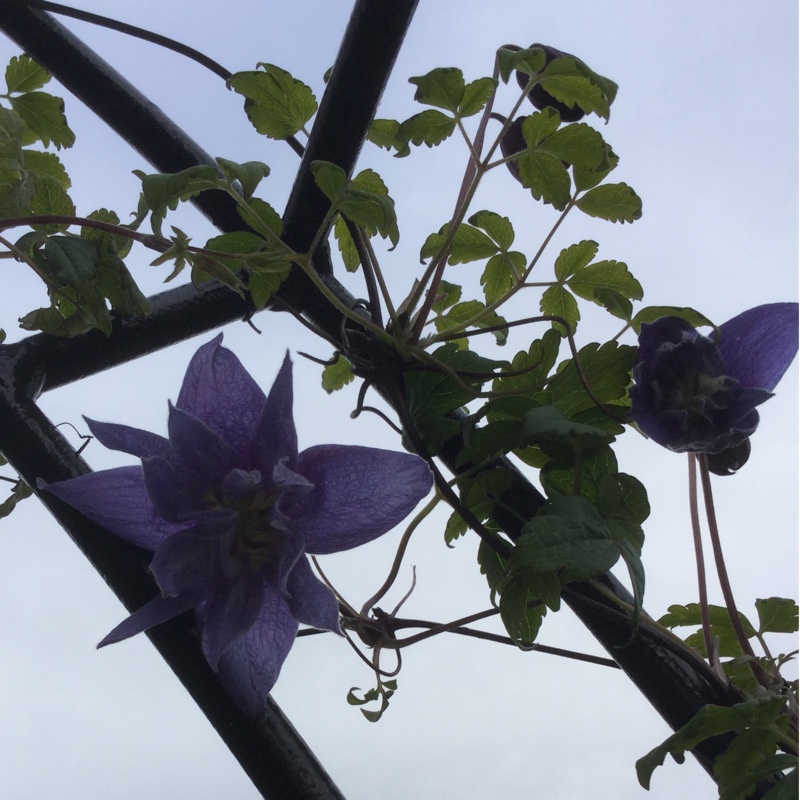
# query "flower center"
(257, 540)
(692, 391)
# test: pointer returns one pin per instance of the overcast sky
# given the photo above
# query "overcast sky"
(705, 124)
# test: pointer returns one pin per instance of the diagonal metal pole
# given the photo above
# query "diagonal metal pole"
(676, 687)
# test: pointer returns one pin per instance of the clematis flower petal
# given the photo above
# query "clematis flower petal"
(359, 494)
(202, 452)
(219, 391)
(174, 493)
(188, 560)
(229, 613)
(134, 441)
(158, 610)
(758, 345)
(310, 600)
(249, 668)
(276, 436)
(117, 499)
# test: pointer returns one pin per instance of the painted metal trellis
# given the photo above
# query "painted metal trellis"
(269, 749)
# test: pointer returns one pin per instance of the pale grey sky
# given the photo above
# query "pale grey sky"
(705, 124)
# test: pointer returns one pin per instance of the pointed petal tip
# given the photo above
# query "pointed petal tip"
(758, 345)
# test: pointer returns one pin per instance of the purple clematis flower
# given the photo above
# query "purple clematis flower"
(230, 508)
(692, 394)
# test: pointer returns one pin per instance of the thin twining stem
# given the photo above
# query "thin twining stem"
(399, 624)
(722, 572)
(713, 659)
(435, 628)
(147, 36)
(401, 551)
(135, 31)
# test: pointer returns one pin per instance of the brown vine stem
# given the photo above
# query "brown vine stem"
(722, 572)
(713, 659)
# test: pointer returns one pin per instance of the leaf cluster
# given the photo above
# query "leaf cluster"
(32, 181)
(761, 729)
(775, 615)
(86, 280)
(19, 489)
(442, 88)
(257, 256)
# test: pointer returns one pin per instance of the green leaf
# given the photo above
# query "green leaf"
(586, 178)
(567, 536)
(491, 564)
(49, 197)
(530, 60)
(786, 789)
(540, 125)
(46, 165)
(577, 144)
(429, 127)
(264, 219)
(565, 80)
(346, 245)
(499, 229)
(12, 134)
(547, 423)
(777, 615)
(337, 375)
(330, 178)
(162, 192)
(23, 74)
(501, 273)
(71, 261)
(559, 302)
(652, 313)
(384, 133)
(276, 104)
(461, 313)
(121, 244)
(262, 285)
(455, 528)
(614, 303)
(680, 616)
(712, 720)
(248, 250)
(448, 295)
(537, 362)
(615, 202)
(521, 619)
(476, 95)
(604, 275)
(574, 257)
(44, 115)
(19, 490)
(370, 207)
(432, 395)
(607, 370)
(442, 87)
(468, 244)
(248, 174)
(369, 181)
(546, 177)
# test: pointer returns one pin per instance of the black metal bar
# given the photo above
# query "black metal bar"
(675, 687)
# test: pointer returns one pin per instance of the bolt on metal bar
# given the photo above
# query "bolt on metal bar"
(676, 688)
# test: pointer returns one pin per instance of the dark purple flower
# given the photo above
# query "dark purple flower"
(692, 394)
(230, 508)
